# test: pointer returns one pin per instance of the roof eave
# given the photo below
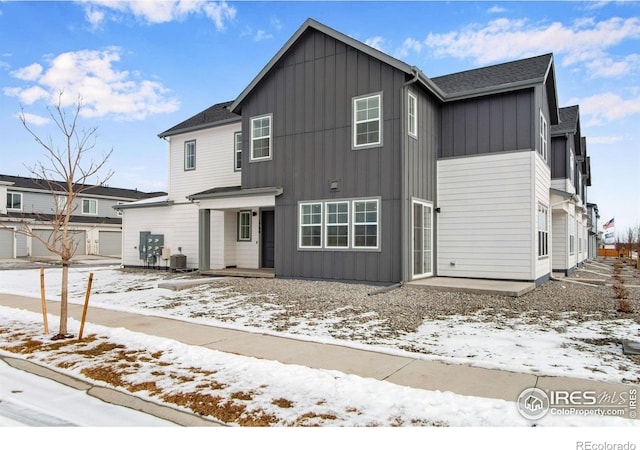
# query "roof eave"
(311, 23)
(275, 191)
(133, 205)
(203, 126)
(490, 90)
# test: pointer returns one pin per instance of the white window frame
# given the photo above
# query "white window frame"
(237, 151)
(544, 137)
(355, 223)
(244, 229)
(61, 202)
(543, 231)
(302, 225)
(252, 138)
(572, 235)
(329, 224)
(356, 122)
(412, 115)
(10, 204)
(90, 201)
(429, 205)
(572, 167)
(190, 155)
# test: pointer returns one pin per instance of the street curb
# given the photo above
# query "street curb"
(113, 396)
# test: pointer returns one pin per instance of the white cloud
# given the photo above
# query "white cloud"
(409, 45)
(29, 73)
(33, 119)
(496, 9)
(585, 41)
(261, 35)
(155, 12)
(604, 139)
(104, 89)
(606, 107)
(607, 67)
(376, 42)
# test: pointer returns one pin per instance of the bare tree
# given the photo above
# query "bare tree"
(65, 173)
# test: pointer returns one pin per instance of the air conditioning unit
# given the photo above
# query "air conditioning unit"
(178, 262)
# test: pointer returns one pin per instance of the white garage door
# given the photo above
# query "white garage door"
(38, 248)
(110, 243)
(6, 243)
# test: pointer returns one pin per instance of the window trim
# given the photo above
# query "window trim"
(572, 234)
(412, 115)
(237, 151)
(543, 151)
(354, 224)
(240, 237)
(543, 246)
(337, 224)
(269, 136)
(308, 225)
(187, 145)
(90, 201)
(354, 122)
(14, 194)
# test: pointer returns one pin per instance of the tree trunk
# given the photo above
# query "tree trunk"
(63, 299)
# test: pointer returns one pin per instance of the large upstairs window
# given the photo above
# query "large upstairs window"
(367, 121)
(261, 138)
(190, 155)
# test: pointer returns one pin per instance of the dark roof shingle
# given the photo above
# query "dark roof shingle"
(216, 114)
(523, 70)
(568, 120)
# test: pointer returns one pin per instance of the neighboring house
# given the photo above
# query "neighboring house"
(570, 176)
(95, 224)
(341, 162)
(593, 232)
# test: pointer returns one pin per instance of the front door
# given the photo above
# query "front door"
(422, 239)
(267, 237)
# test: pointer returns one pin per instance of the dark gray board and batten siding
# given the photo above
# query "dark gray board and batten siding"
(309, 93)
(496, 123)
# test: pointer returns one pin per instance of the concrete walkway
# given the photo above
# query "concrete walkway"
(475, 286)
(402, 370)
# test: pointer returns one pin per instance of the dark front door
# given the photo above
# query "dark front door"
(267, 237)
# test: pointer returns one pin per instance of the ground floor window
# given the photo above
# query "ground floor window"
(543, 231)
(244, 225)
(572, 235)
(344, 224)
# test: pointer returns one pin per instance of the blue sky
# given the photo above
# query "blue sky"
(144, 66)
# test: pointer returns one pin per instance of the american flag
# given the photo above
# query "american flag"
(609, 224)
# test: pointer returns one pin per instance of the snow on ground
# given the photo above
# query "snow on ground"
(34, 401)
(544, 346)
(279, 393)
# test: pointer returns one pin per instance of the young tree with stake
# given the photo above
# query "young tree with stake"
(65, 174)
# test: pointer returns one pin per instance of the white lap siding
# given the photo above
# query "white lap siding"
(487, 225)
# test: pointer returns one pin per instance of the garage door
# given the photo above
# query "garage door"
(110, 243)
(38, 248)
(6, 243)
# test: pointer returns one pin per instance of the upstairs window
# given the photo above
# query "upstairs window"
(367, 121)
(190, 155)
(14, 201)
(413, 115)
(237, 151)
(89, 206)
(544, 137)
(261, 138)
(572, 166)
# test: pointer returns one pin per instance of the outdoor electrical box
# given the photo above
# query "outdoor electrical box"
(150, 248)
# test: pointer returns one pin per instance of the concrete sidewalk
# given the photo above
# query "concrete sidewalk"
(406, 371)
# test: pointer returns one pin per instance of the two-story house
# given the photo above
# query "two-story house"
(95, 224)
(339, 161)
(570, 176)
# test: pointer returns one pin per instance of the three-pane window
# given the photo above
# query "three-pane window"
(346, 224)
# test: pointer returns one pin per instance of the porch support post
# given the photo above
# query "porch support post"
(204, 239)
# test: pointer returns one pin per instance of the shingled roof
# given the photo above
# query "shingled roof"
(507, 74)
(104, 191)
(568, 121)
(217, 114)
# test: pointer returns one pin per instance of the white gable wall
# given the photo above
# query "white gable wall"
(214, 162)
